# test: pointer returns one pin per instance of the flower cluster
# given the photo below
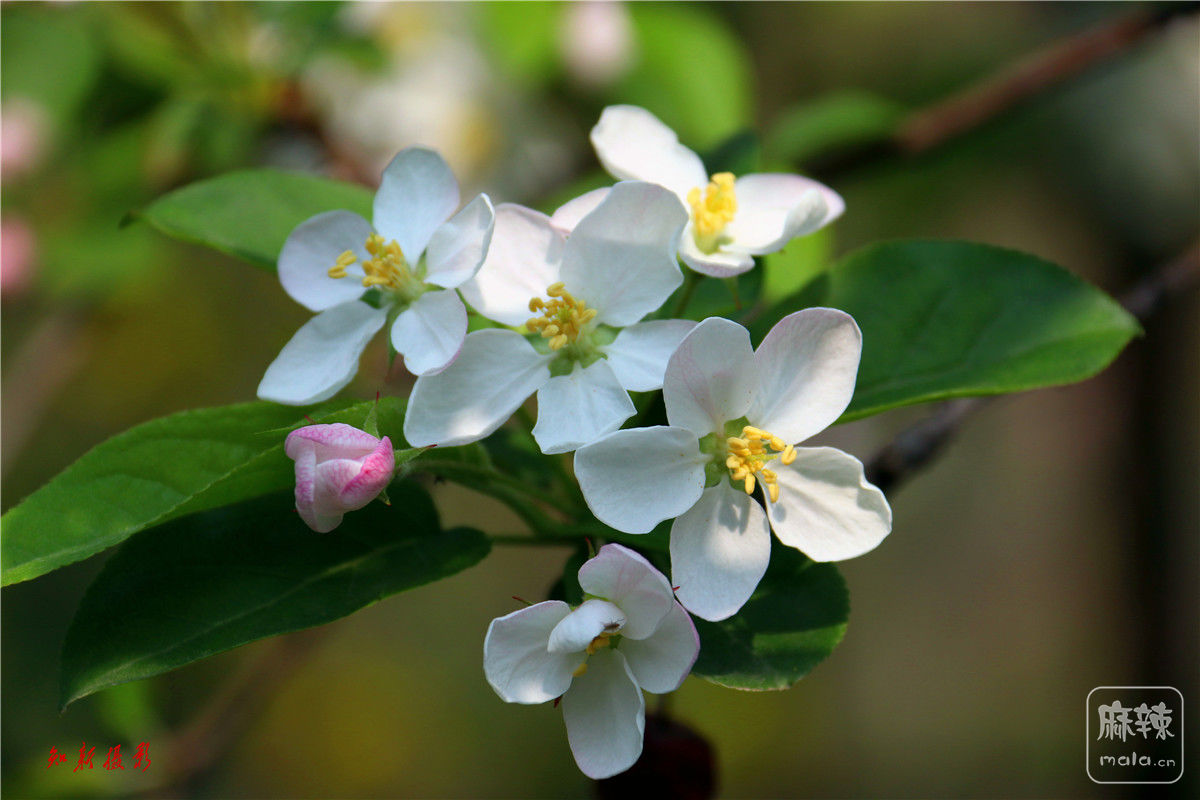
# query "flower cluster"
(568, 309)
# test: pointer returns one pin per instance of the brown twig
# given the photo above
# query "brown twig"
(930, 127)
(920, 444)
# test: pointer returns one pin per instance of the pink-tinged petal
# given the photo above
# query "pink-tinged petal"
(430, 332)
(459, 245)
(323, 355)
(313, 248)
(640, 353)
(826, 508)
(522, 261)
(633, 144)
(719, 552)
(374, 474)
(569, 213)
(605, 715)
(494, 373)
(805, 369)
(333, 440)
(306, 492)
(660, 662)
(773, 209)
(710, 377)
(634, 479)
(620, 258)
(577, 630)
(721, 264)
(515, 659)
(632, 583)
(580, 407)
(417, 193)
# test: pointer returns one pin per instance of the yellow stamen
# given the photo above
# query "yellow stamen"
(749, 454)
(713, 207)
(386, 267)
(582, 668)
(562, 318)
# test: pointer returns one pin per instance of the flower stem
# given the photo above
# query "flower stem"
(689, 288)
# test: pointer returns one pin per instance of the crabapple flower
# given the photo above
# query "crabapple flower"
(731, 412)
(338, 469)
(731, 220)
(582, 297)
(402, 271)
(628, 635)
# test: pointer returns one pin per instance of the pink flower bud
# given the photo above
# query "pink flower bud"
(338, 469)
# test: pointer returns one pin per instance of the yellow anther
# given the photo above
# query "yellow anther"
(599, 642)
(386, 267)
(713, 207)
(749, 454)
(582, 668)
(562, 317)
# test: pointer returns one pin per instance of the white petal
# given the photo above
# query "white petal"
(806, 368)
(634, 479)
(633, 144)
(569, 213)
(605, 715)
(460, 243)
(710, 377)
(516, 661)
(494, 372)
(719, 552)
(312, 248)
(430, 332)
(661, 662)
(826, 508)
(773, 209)
(417, 193)
(631, 583)
(579, 408)
(577, 630)
(721, 264)
(323, 355)
(523, 260)
(640, 353)
(620, 258)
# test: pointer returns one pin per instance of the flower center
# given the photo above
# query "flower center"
(713, 207)
(387, 268)
(563, 317)
(749, 454)
(601, 641)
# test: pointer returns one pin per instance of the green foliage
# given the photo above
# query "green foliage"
(48, 57)
(160, 470)
(791, 623)
(833, 122)
(212, 581)
(250, 213)
(691, 71)
(955, 319)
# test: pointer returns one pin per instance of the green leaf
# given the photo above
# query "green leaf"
(250, 213)
(837, 121)
(160, 470)
(48, 57)
(791, 623)
(956, 319)
(213, 581)
(791, 269)
(691, 71)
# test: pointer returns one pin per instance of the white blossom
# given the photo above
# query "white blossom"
(730, 219)
(628, 635)
(731, 412)
(581, 296)
(404, 269)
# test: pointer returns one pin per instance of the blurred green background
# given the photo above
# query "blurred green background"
(1054, 548)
